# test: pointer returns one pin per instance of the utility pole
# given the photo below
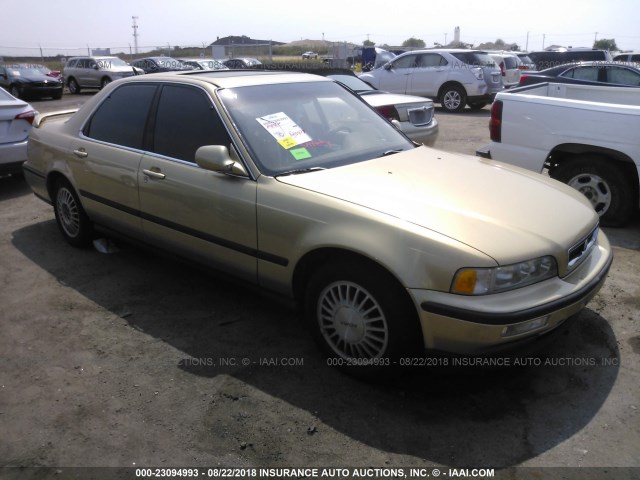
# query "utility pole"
(544, 36)
(445, 39)
(135, 33)
(526, 48)
(595, 39)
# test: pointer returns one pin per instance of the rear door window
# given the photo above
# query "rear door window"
(121, 118)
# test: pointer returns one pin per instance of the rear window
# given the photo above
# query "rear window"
(510, 63)
(475, 59)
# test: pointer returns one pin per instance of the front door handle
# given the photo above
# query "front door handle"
(154, 172)
(81, 152)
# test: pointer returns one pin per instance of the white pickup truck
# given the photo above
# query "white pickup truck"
(585, 136)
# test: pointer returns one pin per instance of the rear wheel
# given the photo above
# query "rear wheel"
(605, 186)
(105, 81)
(73, 85)
(71, 218)
(453, 98)
(361, 317)
(15, 91)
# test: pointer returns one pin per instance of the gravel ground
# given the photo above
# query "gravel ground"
(130, 359)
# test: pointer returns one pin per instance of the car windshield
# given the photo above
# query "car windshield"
(168, 62)
(212, 64)
(111, 62)
(354, 83)
(297, 127)
(18, 71)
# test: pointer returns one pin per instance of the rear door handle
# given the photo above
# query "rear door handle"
(81, 152)
(154, 172)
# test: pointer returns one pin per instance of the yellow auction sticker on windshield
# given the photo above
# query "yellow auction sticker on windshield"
(300, 153)
(284, 130)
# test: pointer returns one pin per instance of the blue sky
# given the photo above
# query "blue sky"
(75, 24)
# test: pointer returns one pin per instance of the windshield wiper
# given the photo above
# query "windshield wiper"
(300, 170)
(390, 152)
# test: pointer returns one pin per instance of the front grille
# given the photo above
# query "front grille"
(580, 250)
(420, 116)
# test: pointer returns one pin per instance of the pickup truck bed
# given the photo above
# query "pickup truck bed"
(585, 136)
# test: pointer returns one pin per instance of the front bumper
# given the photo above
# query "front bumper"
(478, 325)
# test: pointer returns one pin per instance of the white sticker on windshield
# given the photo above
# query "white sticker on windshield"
(284, 130)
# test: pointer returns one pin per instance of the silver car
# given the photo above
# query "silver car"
(96, 72)
(16, 117)
(290, 182)
(454, 78)
(413, 115)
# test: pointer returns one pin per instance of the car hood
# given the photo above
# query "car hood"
(379, 99)
(37, 77)
(503, 211)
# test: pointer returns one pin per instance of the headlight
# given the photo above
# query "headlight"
(483, 281)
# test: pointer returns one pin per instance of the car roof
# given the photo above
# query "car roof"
(231, 78)
(566, 66)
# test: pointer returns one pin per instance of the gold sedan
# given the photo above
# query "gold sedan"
(290, 182)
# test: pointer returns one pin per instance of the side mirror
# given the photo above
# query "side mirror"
(217, 159)
(387, 66)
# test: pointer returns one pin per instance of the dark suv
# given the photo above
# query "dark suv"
(548, 59)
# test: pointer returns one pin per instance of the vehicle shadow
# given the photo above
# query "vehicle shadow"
(464, 417)
(13, 186)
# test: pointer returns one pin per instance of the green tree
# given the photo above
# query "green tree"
(368, 43)
(606, 44)
(414, 43)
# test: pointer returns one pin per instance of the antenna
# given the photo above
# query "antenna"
(135, 34)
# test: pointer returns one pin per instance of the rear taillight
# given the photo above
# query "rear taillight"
(502, 70)
(495, 124)
(522, 67)
(389, 112)
(28, 116)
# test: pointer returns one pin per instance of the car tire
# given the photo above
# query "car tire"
(73, 86)
(105, 81)
(382, 321)
(453, 98)
(71, 218)
(604, 184)
(15, 91)
(477, 105)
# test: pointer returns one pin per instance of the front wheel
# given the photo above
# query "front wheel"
(105, 81)
(71, 218)
(15, 91)
(453, 98)
(361, 317)
(605, 186)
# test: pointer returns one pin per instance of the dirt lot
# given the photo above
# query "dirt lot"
(133, 360)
